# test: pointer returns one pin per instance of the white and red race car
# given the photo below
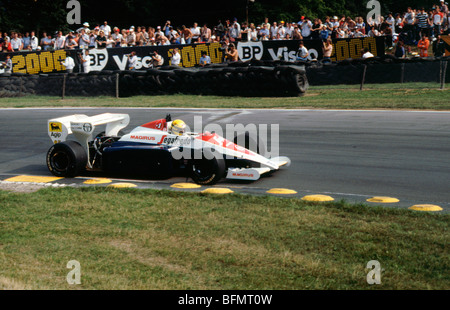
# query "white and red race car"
(151, 150)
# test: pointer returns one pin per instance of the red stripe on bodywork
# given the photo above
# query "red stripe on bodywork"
(218, 140)
(160, 124)
(162, 139)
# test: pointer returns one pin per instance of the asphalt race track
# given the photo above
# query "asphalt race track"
(353, 155)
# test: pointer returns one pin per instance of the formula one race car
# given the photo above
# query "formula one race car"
(161, 149)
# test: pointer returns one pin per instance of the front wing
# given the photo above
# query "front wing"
(253, 174)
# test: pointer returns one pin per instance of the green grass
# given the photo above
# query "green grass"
(374, 96)
(148, 239)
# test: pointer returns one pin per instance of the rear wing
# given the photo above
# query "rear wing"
(83, 126)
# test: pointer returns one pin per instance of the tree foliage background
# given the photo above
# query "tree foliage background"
(50, 15)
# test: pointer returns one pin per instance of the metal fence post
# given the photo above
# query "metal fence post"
(443, 73)
(21, 88)
(64, 86)
(117, 85)
(402, 79)
(363, 77)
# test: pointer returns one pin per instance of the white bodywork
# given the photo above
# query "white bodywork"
(82, 127)
(216, 143)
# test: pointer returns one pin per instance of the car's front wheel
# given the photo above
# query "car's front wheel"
(207, 171)
(66, 159)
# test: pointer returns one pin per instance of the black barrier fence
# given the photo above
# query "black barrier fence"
(238, 79)
(380, 70)
(116, 58)
(256, 78)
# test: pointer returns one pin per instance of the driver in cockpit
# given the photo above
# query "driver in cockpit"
(177, 127)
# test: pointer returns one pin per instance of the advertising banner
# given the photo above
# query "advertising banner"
(116, 58)
(111, 58)
(287, 49)
(446, 40)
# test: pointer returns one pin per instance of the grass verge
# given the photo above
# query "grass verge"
(148, 239)
(374, 96)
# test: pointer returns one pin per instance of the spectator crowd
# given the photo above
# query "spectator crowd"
(413, 27)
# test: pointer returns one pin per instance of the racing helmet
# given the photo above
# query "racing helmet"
(178, 127)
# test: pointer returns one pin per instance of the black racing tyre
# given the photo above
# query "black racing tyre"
(106, 72)
(302, 82)
(239, 63)
(167, 67)
(207, 171)
(66, 159)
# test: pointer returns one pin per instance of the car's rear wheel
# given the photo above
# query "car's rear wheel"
(207, 171)
(66, 159)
